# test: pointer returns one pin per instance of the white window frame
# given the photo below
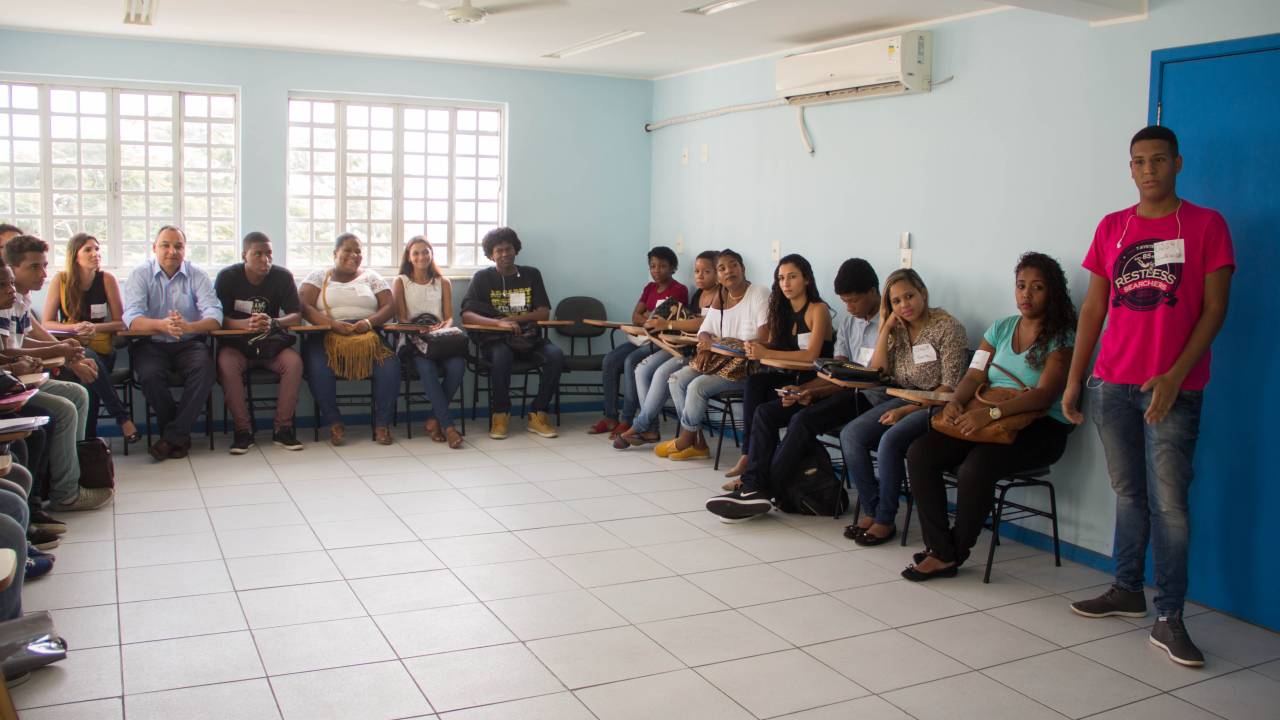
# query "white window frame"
(114, 240)
(399, 103)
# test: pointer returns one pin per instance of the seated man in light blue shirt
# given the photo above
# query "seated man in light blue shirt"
(807, 410)
(174, 300)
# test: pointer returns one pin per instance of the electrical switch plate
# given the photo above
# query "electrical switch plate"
(776, 250)
(679, 243)
(684, 156)
(905, 242)
(906, 258)
(704, 152)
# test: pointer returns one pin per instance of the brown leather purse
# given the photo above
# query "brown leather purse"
(998, 432)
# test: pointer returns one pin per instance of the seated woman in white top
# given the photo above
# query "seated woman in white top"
(419, 290)
(740, 310)
(352, 302)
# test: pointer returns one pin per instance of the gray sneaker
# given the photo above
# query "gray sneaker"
(1115, 601)
(88, 499)
(1170, 635)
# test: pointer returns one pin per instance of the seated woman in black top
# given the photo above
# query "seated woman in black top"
(85, 299)
(799, 330)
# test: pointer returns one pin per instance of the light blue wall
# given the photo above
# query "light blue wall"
(578, 158)
(1025, 149)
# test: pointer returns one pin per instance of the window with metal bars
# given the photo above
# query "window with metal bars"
(119, 163)
(388, 171)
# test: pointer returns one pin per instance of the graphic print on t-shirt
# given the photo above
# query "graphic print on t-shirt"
(1139, 283)
(512, 301)
(256, 304)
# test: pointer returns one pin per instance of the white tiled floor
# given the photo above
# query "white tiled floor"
(562, 580)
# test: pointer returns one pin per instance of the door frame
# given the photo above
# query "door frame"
(1222, 48)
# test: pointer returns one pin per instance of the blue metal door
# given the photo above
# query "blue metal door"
(1223, 101)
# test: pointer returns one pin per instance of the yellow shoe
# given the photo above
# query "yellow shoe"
(664, 449)
(693, 452)
(540, 424)
(498, 425)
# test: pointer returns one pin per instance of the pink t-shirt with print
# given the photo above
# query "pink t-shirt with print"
(1157, 289)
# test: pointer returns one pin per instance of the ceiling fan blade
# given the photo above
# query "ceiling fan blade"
(429, 5)
(522, 6)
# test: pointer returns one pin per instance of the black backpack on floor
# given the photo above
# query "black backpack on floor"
(813, 488)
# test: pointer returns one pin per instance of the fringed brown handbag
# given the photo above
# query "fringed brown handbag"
(999, 432)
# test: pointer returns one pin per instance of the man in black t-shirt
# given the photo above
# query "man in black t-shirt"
(261, 298)
(505, 297)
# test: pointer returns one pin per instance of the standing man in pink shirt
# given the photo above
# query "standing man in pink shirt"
(1161, 276)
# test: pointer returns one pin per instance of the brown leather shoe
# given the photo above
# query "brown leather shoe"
(160, 449)
(454, 438)
(337, 434)
(382, 435)
(180, 450)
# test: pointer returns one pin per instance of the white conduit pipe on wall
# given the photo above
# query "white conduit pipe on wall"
(800, 103)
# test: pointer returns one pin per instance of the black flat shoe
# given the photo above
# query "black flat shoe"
(866, 539)
(853, 531)
(915, 575)
(131, 439)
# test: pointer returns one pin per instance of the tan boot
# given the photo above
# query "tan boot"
(540, 424)
(498, 425)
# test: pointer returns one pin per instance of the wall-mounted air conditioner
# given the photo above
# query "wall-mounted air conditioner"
(889, 66)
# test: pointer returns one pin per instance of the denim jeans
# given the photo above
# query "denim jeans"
(1150, 468)
(880, 485)
(652, 375)
(691, 391)
(622, 362)
(102, 393)
(439, 393)
(324, 384)
(550, 359)
(67, 405)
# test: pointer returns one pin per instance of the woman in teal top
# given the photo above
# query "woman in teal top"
(1035, 345)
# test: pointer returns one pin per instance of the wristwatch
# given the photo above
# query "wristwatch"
(995, 413)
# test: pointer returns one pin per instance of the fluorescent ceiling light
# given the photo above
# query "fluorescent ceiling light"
(712, 8)
(594, 43)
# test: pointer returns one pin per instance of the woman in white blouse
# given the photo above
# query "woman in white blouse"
(352, 302)
(419, 290)
(741, 311)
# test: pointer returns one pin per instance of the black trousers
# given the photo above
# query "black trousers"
(193, 361)
(769, 460)
(978, 466)
(758, 390)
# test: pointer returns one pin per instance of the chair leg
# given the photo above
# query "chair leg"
(996, 513)
(315, 419)
(408, 408)
(911, 504)
(725, 415)
(1053, 518)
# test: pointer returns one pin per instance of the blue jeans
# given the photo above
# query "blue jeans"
(440, 394)
(1150, 468)
(622, 361)
(691, 391)
(651, 377)
(324, 384)
(102, 393)
(880, 485)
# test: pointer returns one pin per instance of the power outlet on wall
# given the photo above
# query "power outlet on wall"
(905, 260)
(776, 250)
(684, 155)
(704, 152)
(679, 243)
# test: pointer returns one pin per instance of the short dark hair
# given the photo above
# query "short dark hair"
(6, 228)
(174, 228)
(254, 238)
(498, 236)
(708, 255)
(731, 253)
(1156, 132)
(856, 276)
(21, 245)
(662, 252)
(337, 242)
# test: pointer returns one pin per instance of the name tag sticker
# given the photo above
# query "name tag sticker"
(516, 300)
(1169, 252)
(244, 306)
(980, 359)
(802, 340)
(864, 356)
(98, 311)
(923, 353)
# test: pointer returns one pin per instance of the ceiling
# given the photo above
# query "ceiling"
(673, 42)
